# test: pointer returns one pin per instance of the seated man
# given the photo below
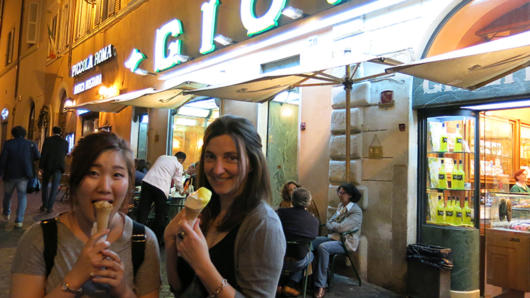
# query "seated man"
(298, 225)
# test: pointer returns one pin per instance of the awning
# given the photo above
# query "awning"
(474, 66)
(169, 98)
(265, 87)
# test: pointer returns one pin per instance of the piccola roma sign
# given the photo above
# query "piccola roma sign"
(168, 45)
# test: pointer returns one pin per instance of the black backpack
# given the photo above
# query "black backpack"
(49, 232)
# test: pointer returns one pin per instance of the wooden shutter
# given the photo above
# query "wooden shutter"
(32, 32)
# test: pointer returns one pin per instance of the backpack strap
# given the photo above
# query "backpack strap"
(49, 233)
(137, 245)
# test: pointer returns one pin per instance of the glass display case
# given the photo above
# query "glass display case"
(449, 177)
(508, 211)
(508, 241)
(524, 156)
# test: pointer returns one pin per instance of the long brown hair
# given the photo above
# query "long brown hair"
(285, 190)
(257, 185)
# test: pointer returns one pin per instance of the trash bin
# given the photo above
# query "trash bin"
(429, 271)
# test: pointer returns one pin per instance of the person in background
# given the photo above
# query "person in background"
(141, 170)
(166, 170)
(301, 226)
(16, 168)
(237, 246)
(520, 182)
(54, 151)
(347, 219)
(191, 183)
(87, 263)
(287, 193)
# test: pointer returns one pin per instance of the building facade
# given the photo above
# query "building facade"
(70, 52)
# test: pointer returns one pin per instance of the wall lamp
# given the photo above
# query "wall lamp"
(292, 12)
(223, 40)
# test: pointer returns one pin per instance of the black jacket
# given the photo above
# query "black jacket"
(16, 160)
(54, 150)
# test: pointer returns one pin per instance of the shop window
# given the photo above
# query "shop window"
(188, 125)
(70, 138)
(282, 140)
(90, 122)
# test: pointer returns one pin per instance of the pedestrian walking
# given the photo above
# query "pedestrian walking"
(51, 163)
(16, 168)
(157, 182)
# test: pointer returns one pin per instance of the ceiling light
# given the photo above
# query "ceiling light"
(223, 40)
(208, 104)
(292, 12)
(186, 122)
(193, 112)
(500, 105)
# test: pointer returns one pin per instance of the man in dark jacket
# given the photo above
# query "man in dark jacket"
(301, 226)
(16, 167)
(51, 163)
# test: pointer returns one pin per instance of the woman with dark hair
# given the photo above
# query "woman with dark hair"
(287, 193)
(88, 263)
(520, 182)
(237, 246)
(345, 230)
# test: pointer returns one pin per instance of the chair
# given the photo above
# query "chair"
(306, 271)
(333, 257)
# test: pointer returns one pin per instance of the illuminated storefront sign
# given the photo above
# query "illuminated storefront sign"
(209, 19)
(87, 84)
(514, 85)
(91, 61)
(255, 25)
(168, 45)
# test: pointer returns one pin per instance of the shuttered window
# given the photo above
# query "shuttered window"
(32, 32)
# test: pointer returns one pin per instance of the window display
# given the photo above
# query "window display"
(450, 159)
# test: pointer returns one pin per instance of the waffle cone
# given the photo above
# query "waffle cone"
(103, 209)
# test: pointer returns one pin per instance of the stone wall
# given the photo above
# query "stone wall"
(383, 181)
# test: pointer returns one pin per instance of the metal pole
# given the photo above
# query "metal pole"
(347, 89)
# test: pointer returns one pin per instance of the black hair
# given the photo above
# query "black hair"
(180, 155)
(18, 131)
(88, 150)
(56, 130)
(352, 191)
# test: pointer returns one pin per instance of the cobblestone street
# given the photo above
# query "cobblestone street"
(343, 286)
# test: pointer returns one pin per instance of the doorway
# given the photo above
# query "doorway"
(505, 206)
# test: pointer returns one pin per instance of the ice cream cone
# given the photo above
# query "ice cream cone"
(195, 202)
(103, 209)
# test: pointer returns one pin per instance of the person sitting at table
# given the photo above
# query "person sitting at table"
(156, 185)
(287, 193)
(301, 226)
(347, 220)
(236, 249)
(520, 182)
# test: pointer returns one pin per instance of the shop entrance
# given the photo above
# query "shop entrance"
(504, 137)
